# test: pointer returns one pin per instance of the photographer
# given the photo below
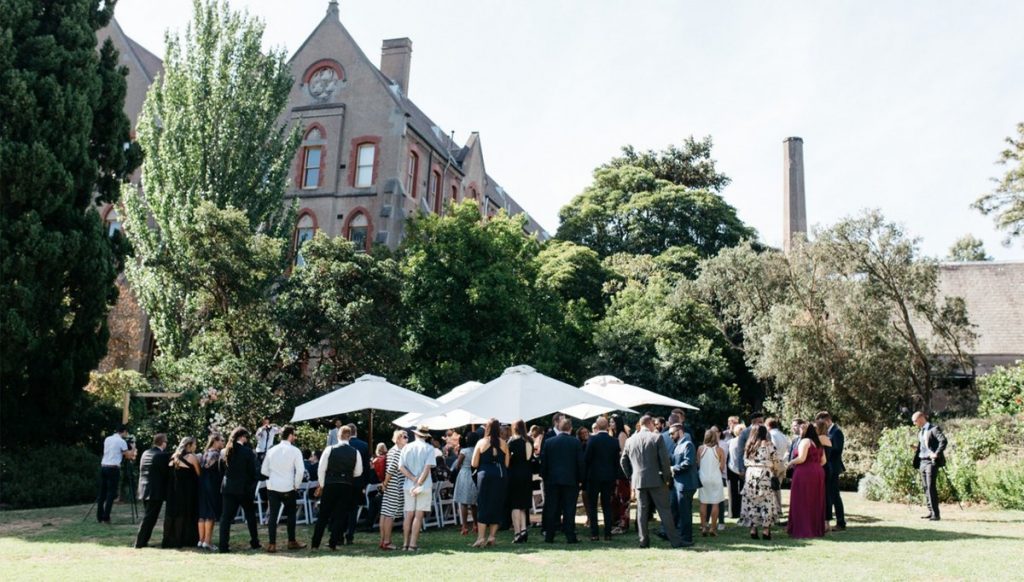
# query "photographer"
(265, 436)
(115, 450)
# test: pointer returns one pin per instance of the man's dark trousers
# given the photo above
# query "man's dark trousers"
(929, 473)
(335, 503)
(277, 499)
(152, 513)
(562, 501)
(604, 490)
(110, 478)
(832, 499)
(231, 503)
(684, 523)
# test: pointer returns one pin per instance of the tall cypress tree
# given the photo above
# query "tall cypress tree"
(63, 136)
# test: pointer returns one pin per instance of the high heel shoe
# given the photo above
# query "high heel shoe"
(518, 538)
(479, 543)
(465, 530)
(491, 542)
(754, 536)
(766, 536)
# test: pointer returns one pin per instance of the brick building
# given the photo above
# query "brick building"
(368, 160)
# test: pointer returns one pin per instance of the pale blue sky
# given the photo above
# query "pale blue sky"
(902, 105)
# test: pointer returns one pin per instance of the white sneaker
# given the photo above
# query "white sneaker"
(721, 527)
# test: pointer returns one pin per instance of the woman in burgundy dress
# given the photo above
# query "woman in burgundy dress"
(807, 492)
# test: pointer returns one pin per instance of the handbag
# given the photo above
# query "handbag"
(776, 484)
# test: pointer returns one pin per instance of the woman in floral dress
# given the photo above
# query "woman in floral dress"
(758, 509)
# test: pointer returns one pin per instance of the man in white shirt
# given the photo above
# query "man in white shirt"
(334, 434)
(340, 466)
(284, 469)
(115, 449)
(781, 443)
(265, 436)
(415, 463)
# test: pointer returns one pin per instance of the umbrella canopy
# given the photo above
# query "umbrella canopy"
(520, 393)
(367, 392)
(459, 417)
(625, 395)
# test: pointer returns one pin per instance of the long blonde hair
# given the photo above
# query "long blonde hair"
(182, 450)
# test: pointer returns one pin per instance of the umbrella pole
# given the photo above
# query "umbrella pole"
(371, 429)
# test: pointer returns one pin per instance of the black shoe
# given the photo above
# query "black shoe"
(607, 537)
(662, 535)
(572, 541)
(839, 528)
(934, 518)
(683, 545)
(256, 547)
(548, 540)
(929, 516)
(766, 536)
(348, 541)
(643, 546)
(754, 536)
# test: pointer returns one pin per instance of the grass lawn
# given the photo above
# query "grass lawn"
(883, 542)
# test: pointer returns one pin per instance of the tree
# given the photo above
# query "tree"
(968, 248)
(1006, 202)
(62, 151)
(468, 294)
(647, 203)
(211, 234)
(851, 322)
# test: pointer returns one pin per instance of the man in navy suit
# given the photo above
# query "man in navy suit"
(685, 480)
(833, 501)
(561, 469)
(360, 483)
(601, 465)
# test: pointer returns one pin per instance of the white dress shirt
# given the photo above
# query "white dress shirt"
(113, 450)
(781, 442)
(283, 467)
(326, 457)
(265, 436)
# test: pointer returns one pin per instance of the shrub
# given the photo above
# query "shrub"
(311, 437)
(48, 476)
(111, 387)
(892, 476)
(858, 454)
(1002, 391)
(1001, 482)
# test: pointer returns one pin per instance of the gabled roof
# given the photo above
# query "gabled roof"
(994, 294)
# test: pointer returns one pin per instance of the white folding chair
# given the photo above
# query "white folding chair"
(431, 519)
(447, 510)
(260, 514)
(537, 507)
(365, 507)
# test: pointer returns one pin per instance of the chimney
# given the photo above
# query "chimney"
(332, 8)
(395, 60)
(794, 205)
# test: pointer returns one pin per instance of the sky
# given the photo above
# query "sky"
(902, 106)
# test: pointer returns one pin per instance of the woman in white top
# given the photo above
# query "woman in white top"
(711, 463)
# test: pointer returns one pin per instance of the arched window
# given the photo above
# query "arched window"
(304, 231)
(311, 171)
(434, 191)
(358, 229)
(455, 193)
(366, 154)
(112, 221)
(412, 173)
(472, 193)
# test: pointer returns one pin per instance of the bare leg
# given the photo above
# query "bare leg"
(386, 525)
(714, 519)
(481, 535)
(407, 528)
(703, 517)
(494, 533)
(417, 525)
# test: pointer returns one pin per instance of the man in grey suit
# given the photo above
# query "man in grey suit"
(646, 462)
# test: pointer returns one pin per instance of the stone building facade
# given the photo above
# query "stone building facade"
(369, 157)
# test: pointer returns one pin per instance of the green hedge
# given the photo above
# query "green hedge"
(973, 447)
(1001, 482)
(1002, 391)
(49, 476)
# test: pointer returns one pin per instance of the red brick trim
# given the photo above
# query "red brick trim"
(311, 214)
(435, 174)
(353, 157)
(414, 152)
(369, 224)
(331, 63)
(300, 165)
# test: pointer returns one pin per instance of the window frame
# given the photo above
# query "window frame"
(412, 173)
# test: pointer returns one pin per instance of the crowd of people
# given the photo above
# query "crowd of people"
(736, 472)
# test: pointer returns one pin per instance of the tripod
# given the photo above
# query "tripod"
(129, 481)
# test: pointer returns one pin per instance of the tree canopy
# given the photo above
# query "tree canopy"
(64, 148)
(968, 248)
(1006, 201)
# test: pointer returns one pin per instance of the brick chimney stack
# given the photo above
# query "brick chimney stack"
(794, 201)
(395, 61)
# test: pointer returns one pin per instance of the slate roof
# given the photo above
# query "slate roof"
(994, 294)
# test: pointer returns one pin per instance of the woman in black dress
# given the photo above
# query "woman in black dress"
(209, 490)
(181, 519)
(520, 481)
(490, 459)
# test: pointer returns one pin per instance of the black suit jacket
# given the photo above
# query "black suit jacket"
(153, 472)
(601, 457)
(936, 444)
(835, 454)
(561, 461)
(364, 454)
(241, 475)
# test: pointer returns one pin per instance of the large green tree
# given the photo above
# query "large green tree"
(63, 137)
(1006, 201)
(852, 321)
(968, 248)
(468, 295)
(646, 203)
(211, 233)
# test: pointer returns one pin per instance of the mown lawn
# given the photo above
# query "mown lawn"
(883, 542)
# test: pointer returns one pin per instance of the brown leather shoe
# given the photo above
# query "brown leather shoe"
(271, 548)
(295, 546)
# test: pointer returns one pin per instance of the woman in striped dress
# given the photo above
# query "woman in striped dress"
(393, 502)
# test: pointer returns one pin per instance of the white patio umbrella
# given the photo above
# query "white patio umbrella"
(520, 393)
(625, 395)
(460, 417)
(367, 392)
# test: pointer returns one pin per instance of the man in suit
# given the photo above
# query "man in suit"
(152, 486)
(685, 479)
(833, 501)
(670, 445)
(929, 457)
(646, 462)
(556, 423)
(561, 469)
(360, 482)
(601, 463)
